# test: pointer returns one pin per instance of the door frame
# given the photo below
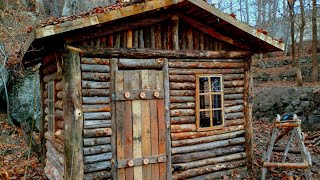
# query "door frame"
(165, 70)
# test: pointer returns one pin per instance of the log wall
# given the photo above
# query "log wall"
(206, 154)
(54, 163)
(97, 118)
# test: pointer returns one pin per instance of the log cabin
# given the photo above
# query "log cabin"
(160, 89)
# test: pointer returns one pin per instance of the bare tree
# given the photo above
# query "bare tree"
(303, 22)
(315, 64)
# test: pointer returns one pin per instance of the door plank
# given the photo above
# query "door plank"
(154, 124)
(146, 131)
(128, 135)
(136, 120)
(161, 125)
(120, 129)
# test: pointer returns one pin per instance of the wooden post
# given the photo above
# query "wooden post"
(175, 32)
(73, 117)
(129, 39)
(248, 101)
(41, 123)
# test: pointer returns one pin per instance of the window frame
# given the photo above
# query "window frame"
(51, 107)
(210, 93)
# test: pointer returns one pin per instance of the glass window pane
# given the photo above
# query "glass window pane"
(204, 102)
(217, 117)
(215, 84)
(216, 101)
(204, 85)
(204, 118)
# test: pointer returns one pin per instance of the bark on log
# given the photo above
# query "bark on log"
(97, 166)
(51, 77)
(56, 145)
(91, 76)
(233, 96)
(183, 128)
(180, 71)
(95, 85)
(182, 112)
(97, 124)
(58, 114)
(182, 93)
(97, 116)
(281, 149)
(51, 171)
(237, 90)
(233, 109)
(231, 77)
(96, 100)
(57, 155)
(141, 63)
(96, 108)
(182, 78)
(101, 132)
(60, 124)
(232, 116)
(208, 169)
(97, 158)
(206, 65)
(96, 141)
(232, 103)
(286, 165)
(188, 105)
(53, 160)
(97, 175)
(181, 99)
(234, 122)
(183, 120)
(59, 104)
(95, 68)
(59, 86)
(95, 92)
(100, 61)
(232, 84)
(207, 146)
(182, 86)
(191, 135)
(207, 139)
(96, 149)
(60, 94)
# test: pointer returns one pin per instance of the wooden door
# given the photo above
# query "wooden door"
(140, 124)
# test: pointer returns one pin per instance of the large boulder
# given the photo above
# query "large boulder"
(4, 80)
(24, 97)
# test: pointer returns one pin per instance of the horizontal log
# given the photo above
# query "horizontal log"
(154, 53)
(182, 92)
(96, 108)
(60, 94)
(232, 109)
(205, 60)
(183, 120)
(183, 128)
(286, 165)
(95, 85)
(182, 78)
(51, 77)
(208, 161)
(59, 134)
(182, 112)
(206, 139)
(231, 116)
(96, 92)
(57, 146)
(233, 96)
(59, 86)
(97, 116)
(141, 63)
(232, 103)
(188, 105)
(97, 158)
(59, 104)
(180, 99)
(208, 169)
(91, 76)
(58, 114)
(105, 165)
(97, 124)
(95, 68)
(97, 175)
(232, 84)
(231, 77)
(101, 132)
(207, 146)
(182, 86)
(100, 61)
(96, 141)
(96, 149)
(50, 69)
(281, 149)
(234, 122)
(206, 65)
(236, 90)
(95, 100)
(191, 135)
(179, 71)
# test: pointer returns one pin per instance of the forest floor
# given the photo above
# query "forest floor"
(14, 155)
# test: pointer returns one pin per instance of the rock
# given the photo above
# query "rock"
(305, 104)
(295, 102)
(2, 90)
(24, 97)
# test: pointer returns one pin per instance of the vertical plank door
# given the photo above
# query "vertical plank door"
(141, 127)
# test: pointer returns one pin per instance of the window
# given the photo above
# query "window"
(51, 98)
(209, 102)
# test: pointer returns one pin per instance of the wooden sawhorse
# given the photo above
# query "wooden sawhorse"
(292, 127)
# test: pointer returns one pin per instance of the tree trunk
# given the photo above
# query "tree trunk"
(298, 67)
(73, 7)
(315, 64)
(291, 11)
